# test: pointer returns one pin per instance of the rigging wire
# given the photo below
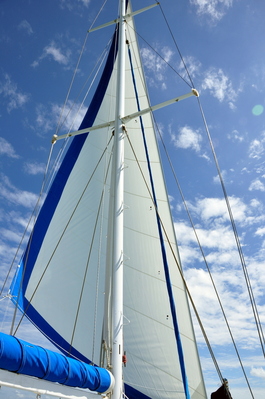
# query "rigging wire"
(60, 239)
(162, 58)
(59, 125)
(34, 212)
(177, 47)
(205, 260)
(244, 267)
(239, 246)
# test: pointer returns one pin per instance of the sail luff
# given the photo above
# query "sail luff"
(117, 237)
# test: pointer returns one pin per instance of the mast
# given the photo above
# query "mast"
(118, 173)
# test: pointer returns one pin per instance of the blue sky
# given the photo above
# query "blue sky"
(222, 42)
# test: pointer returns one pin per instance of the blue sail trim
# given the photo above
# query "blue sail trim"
(163, 250)
(21, 357)
(19, 285)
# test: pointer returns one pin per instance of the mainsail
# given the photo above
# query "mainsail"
(64, 283)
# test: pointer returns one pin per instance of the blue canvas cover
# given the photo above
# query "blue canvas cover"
(24, 358)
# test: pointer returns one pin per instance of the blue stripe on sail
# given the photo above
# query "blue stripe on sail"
(132, 393)
(163, 250)
(24, 358)
(20, 283)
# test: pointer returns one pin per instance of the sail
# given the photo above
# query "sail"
(63, 282)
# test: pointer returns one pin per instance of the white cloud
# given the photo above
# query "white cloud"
(72, 6)
(15, 99)
(156, 65)
(54, 52)
(192, 64)
(219, 85)
(16, 196)
(256, 148)
(215, 210)
(235, 136)
(187, 138)
(214, 9)
(256, 185)
(7, 149)
(260, 231)
(25, 25)
(34, 168)
(258, 372)
(47, 117)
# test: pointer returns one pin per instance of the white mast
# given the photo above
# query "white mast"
(117, 259)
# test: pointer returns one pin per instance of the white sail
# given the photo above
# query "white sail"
(65, 271)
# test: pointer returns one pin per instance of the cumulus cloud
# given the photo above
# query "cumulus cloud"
(12, 96)
(187, 138)
(257, 185)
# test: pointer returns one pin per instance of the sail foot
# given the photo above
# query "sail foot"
(24, 358)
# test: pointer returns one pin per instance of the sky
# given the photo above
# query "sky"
(222, 44)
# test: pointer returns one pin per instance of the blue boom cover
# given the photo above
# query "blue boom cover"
(24, 358)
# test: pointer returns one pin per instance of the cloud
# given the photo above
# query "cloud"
(34, 168)
(25, 25)
(187, 138)
(260, 231)
(47, 117)
(214, 210)
(258, 372)
(54, 52)
(16, 196)
(214, 9)
(192, 64)
(71, 6)
(256, 148)
(256, 185)
(219, 85)
(235, 136)
(156, 65)
(217, 240)
(7, 149)
(15, 99)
